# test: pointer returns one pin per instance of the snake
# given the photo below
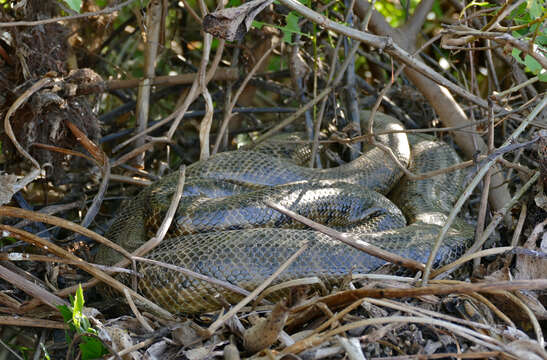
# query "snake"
(222, 228)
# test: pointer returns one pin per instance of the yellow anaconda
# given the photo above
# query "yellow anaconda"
(223, 229)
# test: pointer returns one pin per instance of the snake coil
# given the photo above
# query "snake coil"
(223, 230)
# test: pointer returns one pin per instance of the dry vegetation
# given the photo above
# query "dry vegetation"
(97, 104)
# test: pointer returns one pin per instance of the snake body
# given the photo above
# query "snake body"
(223, 229)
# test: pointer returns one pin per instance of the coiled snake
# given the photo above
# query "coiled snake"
(223, 229)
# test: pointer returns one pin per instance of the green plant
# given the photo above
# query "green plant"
(530, 19)
(75, 5)
(90, 346)
(290, 28)
(46, 354)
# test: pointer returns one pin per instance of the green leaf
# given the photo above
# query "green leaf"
(519, 11)
(474, 3)
(275, 64)
(436, 8)
(66, 313)
(543, 76)
(516, 54)
(92, 348)
(532, 64)
(46, 354)
(291, 27)
(80, 321)
(535, 9)
(7, 240)
(75, 5)
(258, 24)
(79, 300)
(394, 15)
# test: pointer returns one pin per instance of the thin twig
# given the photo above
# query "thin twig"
(533, 319)
(470, 256)
(168, 219)
(481, 218)
(13, 352)
(294, 116)
(16, 104)
(195, 275)
(98, 198)
(501, 38)
(499, 95)
(207, 121)
(319, 119)
(351, 104)
(229, 114)
(151, 36)
(136, 151)
(520, 224)
(136, 312)
(437, 287)
(419, 311)
(24, 321)
(222, 74)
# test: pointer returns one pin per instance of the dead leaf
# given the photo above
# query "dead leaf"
(157, 351)
(233, 23)
(266, 331)
(185, 333)
(9, 184)
(541, 200)
(120, 339)
(533, 267)
(298, 67)
(202, 352)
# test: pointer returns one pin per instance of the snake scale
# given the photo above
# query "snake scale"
(223, 230)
